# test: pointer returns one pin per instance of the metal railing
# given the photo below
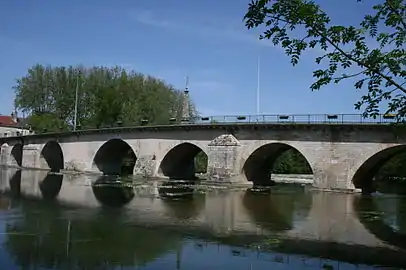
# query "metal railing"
(297, 119)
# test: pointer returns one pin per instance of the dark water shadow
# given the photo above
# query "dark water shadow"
(111, 191)
(180, 199)
(390, 186)
(52, 236)
(373, 220)
(274, 210)
(51, 186)
(15, 184)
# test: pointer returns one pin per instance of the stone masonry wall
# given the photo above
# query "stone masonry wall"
(223, 158)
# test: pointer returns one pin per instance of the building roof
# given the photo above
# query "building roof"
(7, 120)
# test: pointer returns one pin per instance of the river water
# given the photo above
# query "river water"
(86, 222)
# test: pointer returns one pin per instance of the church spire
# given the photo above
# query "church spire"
(186, 103)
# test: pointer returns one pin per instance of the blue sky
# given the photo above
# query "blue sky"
(205, 40)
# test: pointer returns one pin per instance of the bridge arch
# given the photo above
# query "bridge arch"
(16, 155)
(183, 161)
(51, 157)
(259, 165)
(115, 157)
(365, 173)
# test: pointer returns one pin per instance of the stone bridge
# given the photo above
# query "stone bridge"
(341, 156)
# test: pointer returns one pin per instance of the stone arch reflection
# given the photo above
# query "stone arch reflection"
(277, 210)
(108, 239)
(15, 184)
(181, 199)
(51, 185)
(373, 219)
(260, 164)
(113, 191)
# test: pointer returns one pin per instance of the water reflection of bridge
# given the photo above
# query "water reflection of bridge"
(308, 216)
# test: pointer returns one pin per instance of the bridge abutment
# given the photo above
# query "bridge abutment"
(31, 156)
(224, 155)
(11, 155)
(145, 166)
(5, 154)
(335, 177)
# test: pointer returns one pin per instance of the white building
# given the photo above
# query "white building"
(10, 126)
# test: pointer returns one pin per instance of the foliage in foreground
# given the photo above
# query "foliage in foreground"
(371, 54)
(106, 97)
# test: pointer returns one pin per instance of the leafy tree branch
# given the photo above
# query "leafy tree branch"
(382, 68)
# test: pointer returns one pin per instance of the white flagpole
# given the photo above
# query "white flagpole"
(258, 85)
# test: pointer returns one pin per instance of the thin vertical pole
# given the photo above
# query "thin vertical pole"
(76, 104)
(258, 85)
(68, 239)
(179, 257)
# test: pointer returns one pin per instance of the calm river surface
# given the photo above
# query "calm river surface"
(87, 222)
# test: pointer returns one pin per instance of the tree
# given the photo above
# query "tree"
(299, 25)
(106, 97)
(201, 162)
(394, 167)
(291, 162)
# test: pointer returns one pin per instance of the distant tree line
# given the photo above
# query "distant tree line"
(291, 162)
(106, 97)
(395, 167)
(201, 163)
